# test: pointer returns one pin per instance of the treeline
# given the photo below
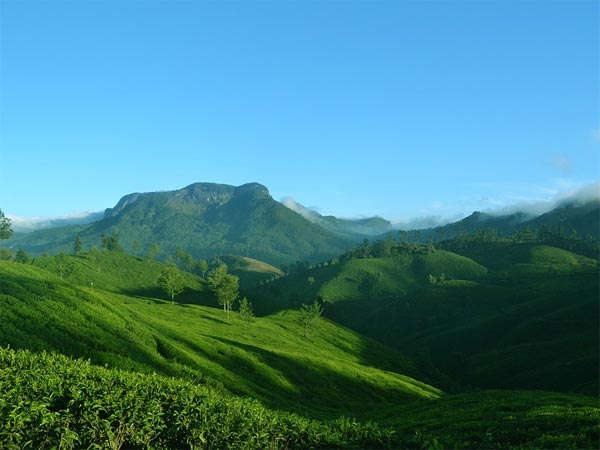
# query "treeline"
(555, 236)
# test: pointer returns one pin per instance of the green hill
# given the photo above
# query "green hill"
(122, 273)
(250, 271)
(204, 219)
(329, 371)
(530, 320)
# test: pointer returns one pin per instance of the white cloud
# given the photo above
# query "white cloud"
(27, 224)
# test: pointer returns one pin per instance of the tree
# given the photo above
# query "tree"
(22, 257)
(153, 251)
(246, 312)
(111, 243)
(77, 245)
(171, 282)
(309, 316)
(185, 259)
(5, 229)
(201, 267)
(225, 287)
(64, 266)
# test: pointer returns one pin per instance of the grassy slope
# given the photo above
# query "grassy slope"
(530, 322)
(250, 271)
(330, 371)
(123, 273)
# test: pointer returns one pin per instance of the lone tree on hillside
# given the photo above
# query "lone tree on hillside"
(309, 316)
(246, 312)
(201, 267)
(22, 257)
(64, 266)
(77, 245)
(5, 230)
(225, 287)
(171, 282)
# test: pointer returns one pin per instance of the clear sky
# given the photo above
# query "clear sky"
(393, 108)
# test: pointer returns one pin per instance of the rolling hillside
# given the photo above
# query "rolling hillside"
(270, 359)
(528, 320)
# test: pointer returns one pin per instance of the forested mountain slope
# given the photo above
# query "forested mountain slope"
(204, 219)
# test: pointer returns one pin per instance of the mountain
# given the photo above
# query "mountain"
(567, 217)
(206, 220)
(355, 229)
(583, 217)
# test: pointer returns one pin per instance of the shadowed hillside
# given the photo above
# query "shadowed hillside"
(529, 319)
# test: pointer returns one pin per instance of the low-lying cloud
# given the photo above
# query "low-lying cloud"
(28, 224)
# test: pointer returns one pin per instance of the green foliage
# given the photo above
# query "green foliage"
(22, 257)
(48, 400)
(111, 243)
(528, 320)
(309, 316)
(185, 259)
(250, 271)
(5, 229)
(201, 267)
(171, 282)
(246, 312)
(269, 361)
(225, 287)
(77, 245)
(6, 254)
(153, 251)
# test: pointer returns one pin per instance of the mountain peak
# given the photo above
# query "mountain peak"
(252, 189)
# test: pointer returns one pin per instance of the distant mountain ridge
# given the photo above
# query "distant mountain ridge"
(368, 226)
(206, 220)
(210, 219)
(569, 216)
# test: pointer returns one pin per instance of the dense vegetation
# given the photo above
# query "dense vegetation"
(49, 400)
(504, 314)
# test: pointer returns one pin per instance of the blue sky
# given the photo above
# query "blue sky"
(399, 109)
